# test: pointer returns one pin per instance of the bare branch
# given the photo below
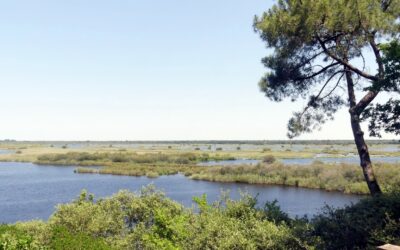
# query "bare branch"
(326, 83)
(346, 64)
(321, 90)
(319, 72)
(312, 58)
(377, 56)
(337, 84)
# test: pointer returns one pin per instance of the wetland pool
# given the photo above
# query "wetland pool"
(29, 191)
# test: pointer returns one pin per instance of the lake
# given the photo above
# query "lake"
(29, 191)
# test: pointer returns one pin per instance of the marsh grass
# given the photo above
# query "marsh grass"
(172, 159)
(82, 170)
(331, 177)
(152, 174)
(85, 158)
(131, 164)
(149, 170)
(344, 178)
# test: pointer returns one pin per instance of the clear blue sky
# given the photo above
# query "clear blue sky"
(138, 70)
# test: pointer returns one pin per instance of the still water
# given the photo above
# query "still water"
(29, 191)
(6, 151)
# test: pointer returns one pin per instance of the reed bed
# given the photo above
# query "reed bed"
(344, 178)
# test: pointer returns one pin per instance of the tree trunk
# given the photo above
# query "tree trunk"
(358, 134)
(363, 152)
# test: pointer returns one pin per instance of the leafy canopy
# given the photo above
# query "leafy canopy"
(315, 43)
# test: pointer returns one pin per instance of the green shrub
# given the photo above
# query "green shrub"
(152, 175)
(274, 213)
(63, 239)
(119, 158)
(238, 225)
(11, 238)
(269, 159)
(149, 220)
(371, 222)
(85, 216)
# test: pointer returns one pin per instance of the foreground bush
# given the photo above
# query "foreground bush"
(18, 237)
(367, 224)
(149, 220)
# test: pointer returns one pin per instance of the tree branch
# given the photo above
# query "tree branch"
(385, 4)
(319, 72)
(358, 108)
(337, 84)
(308, 60)
(364, 102)
(377, 56)
(322, 89)
(350, 90)
(344, 63)
(326, 83)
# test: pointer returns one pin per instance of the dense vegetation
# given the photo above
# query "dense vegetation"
(84, 158)
(132, 164)
(370, 222)
(149, 220)
(332, 177)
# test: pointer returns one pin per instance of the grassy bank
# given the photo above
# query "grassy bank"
(149, 220)
(83, 158)
(132, 164)
(150, 170)
(331, 177)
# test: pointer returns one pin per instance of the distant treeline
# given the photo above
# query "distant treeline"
(252, 142)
